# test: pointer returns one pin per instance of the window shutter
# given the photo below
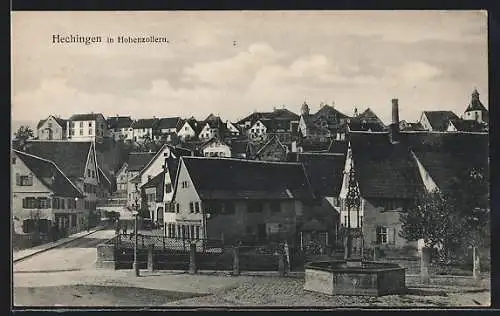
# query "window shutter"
(378, 236)
(38, 202)
(394, 235)
(18, 179)
(390, 235)
(25, 204)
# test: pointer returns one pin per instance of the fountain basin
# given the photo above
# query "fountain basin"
(354, 277)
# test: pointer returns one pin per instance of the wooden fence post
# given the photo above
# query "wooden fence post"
(192, 259)
(236, 260)
(476, 269)
(150, 258)
(425, 258)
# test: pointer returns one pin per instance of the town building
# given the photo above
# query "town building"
(260, 126)
(135, 163)
(144, 128)
(51, 128)
(326, 123)
(77, 160)
(272, 150)
(42, 196)
(215, 147)
(437, 121)
(166, 128)
(189, 129)
(476, 111)
(87, 127)
(253, 200)
(120, 128)
(367, 121)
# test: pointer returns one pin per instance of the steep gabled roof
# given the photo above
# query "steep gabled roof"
(384, 170)
(138, 160)
(50, 175)
(210, 141)
(71, 157)
(274, 140)
(172, 166)
(144, 123)
(314, 145)
(60, 121)
(469, 126)
(168, 122)
(222, 178)
(325, 172)
(86, 117)
(157, 182)
(119, 122)
(448, 156)
(439, 119)
(239, 146)
(329, 111)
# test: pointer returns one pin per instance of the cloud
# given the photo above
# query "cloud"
(234, 71)
(414, 72)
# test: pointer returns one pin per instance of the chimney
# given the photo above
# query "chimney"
(394, 127)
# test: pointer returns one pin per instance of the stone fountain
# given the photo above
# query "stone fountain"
(354, 275)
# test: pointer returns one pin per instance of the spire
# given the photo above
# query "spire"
(475, 94)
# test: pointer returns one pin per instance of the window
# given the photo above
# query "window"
(73, 220)
(24, 180)
(382, 235)
(93, 174)
(88, 173)
(275, 206)
(192, 232)
(90, 131)
(149, 178)
(62, 203)
(185, 184)
(168, 188)
(13, 160)
(345, 221)
(197, 207)
(30, 203)
(197, 232)
(81, 124)
(177, 206)
(43, 203)
(191, 207)
(90, 124)
(28, 226)
(255, 207)
(72, 124)
(72, 132)
(179, 231)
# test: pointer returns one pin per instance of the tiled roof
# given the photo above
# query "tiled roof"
(138, 160)
(325, 172)
(338, 146)
(85, 117)
(157, 182)
(144, 123)
(71, 157)
(168, 122)
(180, 151)
(330, 111)
(172, 166)
(469, 126)
(239, 146)
(60, 121)
(50, 175)
(439, 119)
(370, 116)
(220, 178)
(384, 170)
(446, 156)
(314, 146)
(277, 114)
(119, 122)
(365, 126)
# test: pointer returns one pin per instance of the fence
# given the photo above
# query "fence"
(144, 241)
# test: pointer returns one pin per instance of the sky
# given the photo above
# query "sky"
(235, 62)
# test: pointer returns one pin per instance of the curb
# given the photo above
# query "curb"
(55, 246)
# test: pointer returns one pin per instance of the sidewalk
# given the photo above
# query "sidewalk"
(19, 255)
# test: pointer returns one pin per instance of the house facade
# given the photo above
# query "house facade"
(87, 127)
(52, 128)
(476, 111)
(247, 203)
(42, 196)
(135, 163)
(188, 129)
(215, 148)
(273, 150)
(78, 162)
(436, 121)
(167, 127)
(143, 128)
(120, 128)
(322, 125)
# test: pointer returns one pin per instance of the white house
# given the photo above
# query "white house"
(257, 130)
(188, 129)
(42, 195)
(120, 127)
(51, 128)
(231, 129)
(476, 110)
(78, 162)
(87, 127)
(143, 127)
(215, 148)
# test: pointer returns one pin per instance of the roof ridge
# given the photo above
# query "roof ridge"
(54, 164)
(243, 160)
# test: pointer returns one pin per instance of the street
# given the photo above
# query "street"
(79, 254)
